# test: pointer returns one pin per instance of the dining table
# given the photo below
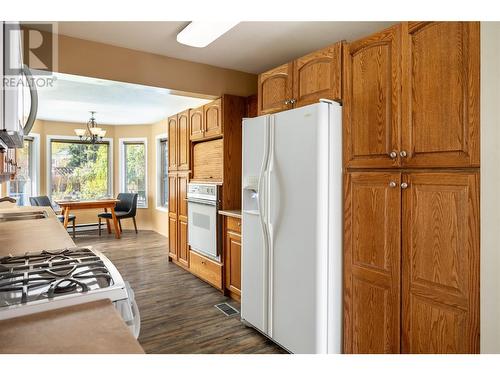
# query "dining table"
(106, 204)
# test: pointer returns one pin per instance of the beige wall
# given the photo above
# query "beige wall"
(93, 59)
(490, 187)
(147, 218)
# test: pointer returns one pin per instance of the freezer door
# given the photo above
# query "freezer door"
(298, 220)
(254, 271)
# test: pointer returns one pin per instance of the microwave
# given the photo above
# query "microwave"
(15, 78)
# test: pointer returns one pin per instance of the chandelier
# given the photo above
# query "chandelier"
(93, 134)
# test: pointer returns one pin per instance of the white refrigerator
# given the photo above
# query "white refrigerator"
(292, 227)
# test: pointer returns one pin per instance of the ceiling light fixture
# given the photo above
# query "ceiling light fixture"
(93, 134)
(201, 33)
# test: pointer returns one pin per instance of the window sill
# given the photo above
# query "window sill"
(162, 209)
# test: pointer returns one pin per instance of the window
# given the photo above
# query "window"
(25, 185)
(162, 172)
(79, 170)
(133, 169)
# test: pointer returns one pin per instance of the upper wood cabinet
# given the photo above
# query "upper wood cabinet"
(212, 119)
(172, 143)
(372, 96)
(411, 97)
(440, 286)
(183, 141)
(196, 123)
(372, 248)
(440, 65)
(275, 89)
(318, 75)
(304, 81)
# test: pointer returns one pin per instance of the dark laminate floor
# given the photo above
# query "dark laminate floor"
(177, 309)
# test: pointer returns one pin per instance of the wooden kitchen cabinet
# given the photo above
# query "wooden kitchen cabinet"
(318, 75)
(182, 246)
(212, 119)
(206, 269)
(275, 89)
(372, 253)
(420, 228)
(196, 123)
(232, 257)
(172, 143)
(440, 263)
(183, 144)
(440, 94)
(372, 97)
(411, 97)
(172, 215)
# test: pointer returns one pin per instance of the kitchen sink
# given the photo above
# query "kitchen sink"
(23, 215)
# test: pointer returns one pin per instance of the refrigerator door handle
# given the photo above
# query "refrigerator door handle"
(263, 205)
(270, 227)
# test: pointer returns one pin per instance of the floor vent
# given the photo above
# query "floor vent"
(227, 309)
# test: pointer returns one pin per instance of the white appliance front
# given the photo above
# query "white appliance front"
(301, 218)
(254, 272)
(202, 224)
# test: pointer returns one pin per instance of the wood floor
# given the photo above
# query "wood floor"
(177, 309)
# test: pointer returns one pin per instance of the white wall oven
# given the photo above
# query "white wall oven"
(204, 223)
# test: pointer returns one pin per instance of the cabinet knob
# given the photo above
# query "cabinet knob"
(393, 154)
(404, 185)
(403, 154)
(292, 101)
(392, 184)
(287, 101)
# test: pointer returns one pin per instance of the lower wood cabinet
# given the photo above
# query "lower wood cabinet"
(206, 269)
(178, 218)
(411, 262)
(232, 257)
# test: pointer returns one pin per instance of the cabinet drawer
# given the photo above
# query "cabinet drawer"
(233, 224)
(206, 269)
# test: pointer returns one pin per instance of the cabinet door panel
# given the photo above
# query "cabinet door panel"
(183, 247)
(274, 88)
(232, 262)
(172, 143)
(182, 181)
(172, 193)
(372, 262)
(172, 237)
(441, 94)
(213, 118)
(183, 140)
(196, 123)
(371, 114)
(318, 76)
(441, 263)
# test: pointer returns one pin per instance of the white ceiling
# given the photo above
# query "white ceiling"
(249, 47)
(116, 103)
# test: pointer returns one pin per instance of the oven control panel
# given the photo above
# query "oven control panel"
(202, 191)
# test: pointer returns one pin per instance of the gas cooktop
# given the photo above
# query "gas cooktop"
(48, 274)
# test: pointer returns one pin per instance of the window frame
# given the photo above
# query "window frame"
(158, 139)
(48, 162)
(34, 163)
(122, 164)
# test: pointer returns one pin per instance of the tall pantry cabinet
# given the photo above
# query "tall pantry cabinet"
(411, 204)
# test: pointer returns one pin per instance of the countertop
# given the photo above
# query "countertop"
(94, 327)
(231, 213)
(18, 237)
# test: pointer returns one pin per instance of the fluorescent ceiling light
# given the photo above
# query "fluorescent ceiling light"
(201, 33)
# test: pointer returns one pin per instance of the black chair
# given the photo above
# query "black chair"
(125, 208)
(44, 201)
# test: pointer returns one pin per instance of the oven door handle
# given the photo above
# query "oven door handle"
(202, 201)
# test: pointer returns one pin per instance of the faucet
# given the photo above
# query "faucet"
(7, 199)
